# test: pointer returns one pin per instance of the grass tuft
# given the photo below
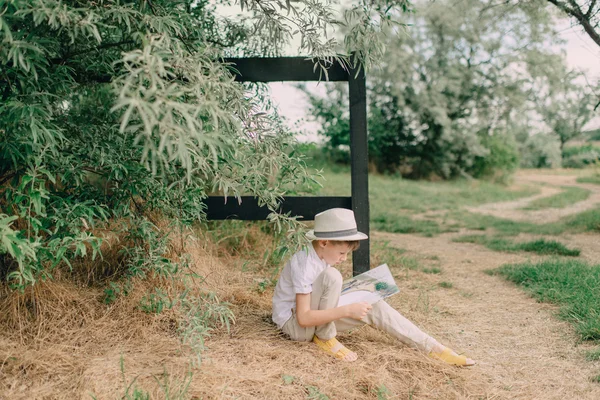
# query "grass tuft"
(540, 246)
(593, 355)
(445, 285)
(568, 196)
(393, 200)
(573, 285)
(404, 224)
(590, 179)
(410, 263)
(587, 221)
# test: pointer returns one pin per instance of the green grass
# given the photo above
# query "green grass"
(590, 179)
(433, 270)
(572, 285)
(393, 199)
(593, 355)
(568, 196)
(445, 285)
(404, 224)
(409, 263)
(587, 221)
(421, 196)
(540, 246)
(393, 202)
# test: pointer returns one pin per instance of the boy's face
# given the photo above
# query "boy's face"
(333, 252)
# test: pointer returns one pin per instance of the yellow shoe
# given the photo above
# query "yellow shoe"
(335, 348)
(448, 357)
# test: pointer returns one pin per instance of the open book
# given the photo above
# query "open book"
(370, 286)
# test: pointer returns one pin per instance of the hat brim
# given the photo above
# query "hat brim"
(357, 236)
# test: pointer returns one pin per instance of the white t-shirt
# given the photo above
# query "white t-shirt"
(297, 277)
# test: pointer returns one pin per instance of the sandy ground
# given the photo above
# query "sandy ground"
(523, 350)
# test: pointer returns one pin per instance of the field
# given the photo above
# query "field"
(462, 254)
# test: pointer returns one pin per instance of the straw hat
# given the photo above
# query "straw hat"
(335, 224)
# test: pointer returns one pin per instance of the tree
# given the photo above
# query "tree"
(568, 110)
(585, 12)
(563, 98)
(116, 110)
(456, 78)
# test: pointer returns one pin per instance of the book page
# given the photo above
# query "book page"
(370, 286)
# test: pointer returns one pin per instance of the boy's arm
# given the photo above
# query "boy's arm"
(307, 317)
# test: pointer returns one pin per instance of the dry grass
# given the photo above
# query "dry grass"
(60, 341)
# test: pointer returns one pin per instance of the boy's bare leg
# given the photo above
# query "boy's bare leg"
(386, 318)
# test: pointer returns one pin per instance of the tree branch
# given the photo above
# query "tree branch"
(91, 49)
(576, 13)
(588, 14)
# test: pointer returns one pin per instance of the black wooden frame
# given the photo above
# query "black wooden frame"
(303, 69)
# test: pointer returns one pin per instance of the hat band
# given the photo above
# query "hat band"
(334, 234)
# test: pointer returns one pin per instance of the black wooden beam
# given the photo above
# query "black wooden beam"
(283, 69)
(249, 210)
(360, 166)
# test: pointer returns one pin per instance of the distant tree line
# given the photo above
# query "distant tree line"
(472, 88)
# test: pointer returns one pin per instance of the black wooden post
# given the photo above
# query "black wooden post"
(302, 69)
(360, 165)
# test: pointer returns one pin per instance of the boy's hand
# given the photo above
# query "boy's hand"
(359, 310)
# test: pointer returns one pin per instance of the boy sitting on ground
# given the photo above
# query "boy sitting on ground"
(305, 302)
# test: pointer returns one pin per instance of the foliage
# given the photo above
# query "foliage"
(113, 113)
(541, 151)
(593, 135)
(201, 314)
(572, 285)
(502, 160)
(332, 112)
(585, 12)
(580, 156)
(564, 103)
(446, 100)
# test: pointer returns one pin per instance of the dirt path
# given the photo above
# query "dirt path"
(513, 209)
(523, 350)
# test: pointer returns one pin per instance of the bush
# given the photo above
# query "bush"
(593, 135)
(541, 151)
(502, 160)
(580, 156)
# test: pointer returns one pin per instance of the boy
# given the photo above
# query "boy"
(306, 296)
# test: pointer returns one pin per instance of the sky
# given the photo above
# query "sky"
(581, 52)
